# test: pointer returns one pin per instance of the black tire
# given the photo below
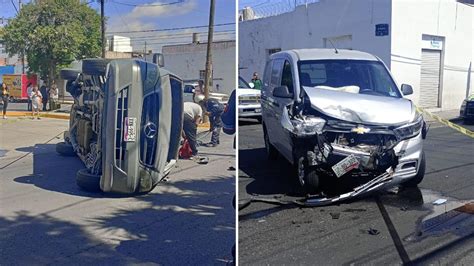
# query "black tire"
(419, 176)
(272, 153)
(65, 149)
(88, 181)
(69, 73)
(311, 181)
(94, 67)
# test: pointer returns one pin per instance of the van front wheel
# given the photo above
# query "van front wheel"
(88, 181)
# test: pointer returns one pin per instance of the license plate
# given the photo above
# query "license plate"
(258, 110)
(130, 133)
(346, 165)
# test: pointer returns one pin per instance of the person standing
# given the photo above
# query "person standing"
(214, 110)
(257, 83)
(44, 94)
(36, 99)
(53, 96)
(192, 118)
(5, 96)
(29, 92)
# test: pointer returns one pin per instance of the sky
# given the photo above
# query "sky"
(138, 15)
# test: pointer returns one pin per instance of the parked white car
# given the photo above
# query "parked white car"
(249, 101)
(189, 94)
(341, 119)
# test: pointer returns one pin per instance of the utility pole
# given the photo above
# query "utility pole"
(23, 53)
(207, 82)
(102, 21)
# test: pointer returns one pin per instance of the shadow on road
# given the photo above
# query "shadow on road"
(180, 222)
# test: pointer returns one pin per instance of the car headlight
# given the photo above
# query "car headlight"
(409, 131)
(309, 126)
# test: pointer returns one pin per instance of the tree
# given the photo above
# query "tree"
(52, 34)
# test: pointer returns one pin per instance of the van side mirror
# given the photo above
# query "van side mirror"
(282, 92)
(159, 59)
(407, 89)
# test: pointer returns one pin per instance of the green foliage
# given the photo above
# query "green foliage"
(52, 34)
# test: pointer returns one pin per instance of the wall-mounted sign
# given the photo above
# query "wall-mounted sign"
(432, 42)
(381, 29)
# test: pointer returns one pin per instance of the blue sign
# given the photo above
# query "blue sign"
(381, 30)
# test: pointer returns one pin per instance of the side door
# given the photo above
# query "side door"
(287, 79)
(272, 79)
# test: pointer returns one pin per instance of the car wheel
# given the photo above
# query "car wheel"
(69, 74)
(65, 149)
(419, 176)
(88, 181)
(272, 153)
(307, 177)
(94, 67)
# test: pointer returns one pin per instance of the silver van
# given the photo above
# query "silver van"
(339, 117)
(125, 123)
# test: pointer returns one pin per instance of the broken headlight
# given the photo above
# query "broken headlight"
(409, 131)
(308, 126)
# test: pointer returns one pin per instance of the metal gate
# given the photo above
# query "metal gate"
(430, 77)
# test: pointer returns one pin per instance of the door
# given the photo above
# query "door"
(430, 78)
(269, 103)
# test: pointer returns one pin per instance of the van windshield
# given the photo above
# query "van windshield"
(355, 76)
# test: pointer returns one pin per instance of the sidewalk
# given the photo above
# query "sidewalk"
(451, 115)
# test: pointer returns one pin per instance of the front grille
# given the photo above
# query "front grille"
(249, 100)
(149, 129)
(122, 113)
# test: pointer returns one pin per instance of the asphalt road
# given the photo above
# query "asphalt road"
(46, 219)
(385, 228)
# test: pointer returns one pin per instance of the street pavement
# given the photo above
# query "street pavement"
(398, 227)
(46, 219)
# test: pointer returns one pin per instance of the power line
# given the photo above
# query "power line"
(149, 5)
(177, 36)
(171, 29)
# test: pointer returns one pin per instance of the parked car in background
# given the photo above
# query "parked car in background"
(467, 109)
(340, 118)
(249, 101)
(189, 94)
(125, 123)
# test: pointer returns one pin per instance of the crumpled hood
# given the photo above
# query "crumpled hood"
(361, 108)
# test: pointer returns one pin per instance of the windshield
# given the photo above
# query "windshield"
(243, 84)
(356, 76)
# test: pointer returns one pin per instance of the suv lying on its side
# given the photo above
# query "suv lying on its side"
(339, 117)
(125, 123)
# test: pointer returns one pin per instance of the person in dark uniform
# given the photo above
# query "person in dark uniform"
(214, 110)
(44, 92)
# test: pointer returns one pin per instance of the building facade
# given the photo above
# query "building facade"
(427, 44)
(189, 62)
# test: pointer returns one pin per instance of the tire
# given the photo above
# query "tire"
(65, 149)
(69, 74)
(272, 153)
(88, 181)
(311, 181)
(94, 67)
(413, 182)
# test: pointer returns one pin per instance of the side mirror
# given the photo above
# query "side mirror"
(159, 59)
(407, 89)
(282, 92)
(251, 85)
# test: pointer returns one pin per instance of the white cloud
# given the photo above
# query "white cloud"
(154, 9)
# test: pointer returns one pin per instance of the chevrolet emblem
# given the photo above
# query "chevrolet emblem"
(360, 130)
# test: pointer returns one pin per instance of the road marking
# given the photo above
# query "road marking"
(447, 123)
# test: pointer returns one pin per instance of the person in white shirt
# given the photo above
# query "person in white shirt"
(36, 100)
(192, 118)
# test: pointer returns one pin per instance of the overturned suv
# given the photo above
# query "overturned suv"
(125, 123)
(341, 120)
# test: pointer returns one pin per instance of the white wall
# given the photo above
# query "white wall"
(187, 60)
(307, 26)
(445, 18)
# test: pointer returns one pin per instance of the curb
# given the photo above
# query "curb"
(47, 115)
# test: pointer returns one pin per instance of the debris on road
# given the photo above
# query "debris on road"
(231, 168)
(373, 231)
(203, 160)
(439, 201)
(301, 222)
(335, 215)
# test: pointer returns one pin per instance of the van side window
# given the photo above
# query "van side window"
(287, 77)
(276, 72)
(267, 74)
